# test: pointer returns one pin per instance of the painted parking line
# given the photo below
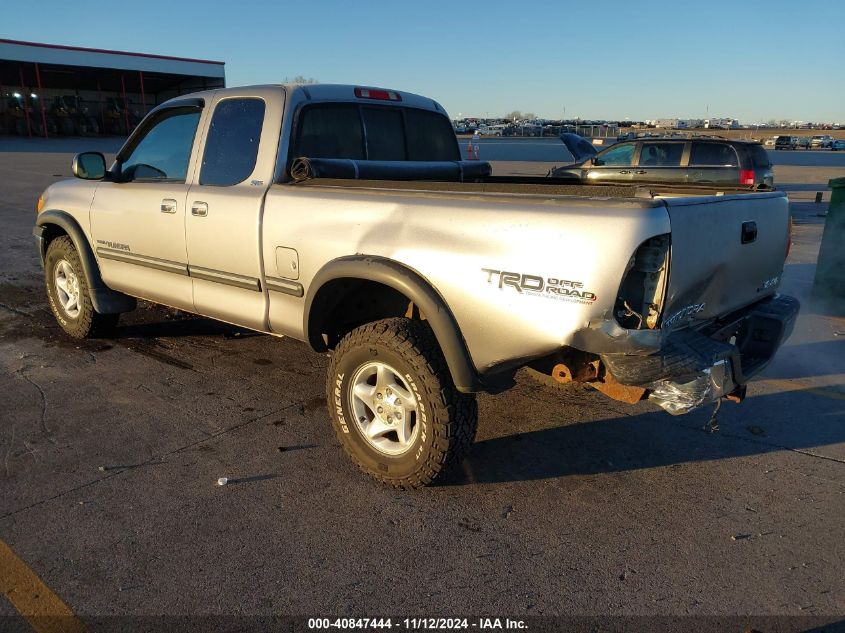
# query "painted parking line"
(44, 610)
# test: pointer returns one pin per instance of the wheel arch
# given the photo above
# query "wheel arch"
(321, 301)
(54, 223)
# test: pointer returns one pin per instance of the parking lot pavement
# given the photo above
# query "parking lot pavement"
(570, 503)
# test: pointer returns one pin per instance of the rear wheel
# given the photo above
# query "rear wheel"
(393, 404)
(69, 295)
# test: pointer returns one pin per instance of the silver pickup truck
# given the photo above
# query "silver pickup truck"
(344, 217)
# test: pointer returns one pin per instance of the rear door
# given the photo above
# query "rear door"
(225, 202)
(713, 163)
(660, 161)
(727, 252)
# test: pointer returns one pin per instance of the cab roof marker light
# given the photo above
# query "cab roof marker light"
(377, 94)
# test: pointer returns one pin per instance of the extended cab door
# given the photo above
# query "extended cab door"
(138, 219)
(225, 203)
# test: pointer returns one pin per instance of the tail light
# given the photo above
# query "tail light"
(639, 303)
(378, 94)
(746, 177)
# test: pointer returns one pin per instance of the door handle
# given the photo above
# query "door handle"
(642, 171)
(624, 171)
(199, 209)
(168, 205)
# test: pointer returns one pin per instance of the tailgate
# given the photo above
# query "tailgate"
(727, 252)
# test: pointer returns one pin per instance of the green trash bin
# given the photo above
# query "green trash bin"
(829, 283)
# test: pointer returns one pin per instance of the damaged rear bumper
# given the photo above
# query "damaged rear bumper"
(695, 367)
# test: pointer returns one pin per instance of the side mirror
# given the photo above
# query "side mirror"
(595, 160)
(89, 166)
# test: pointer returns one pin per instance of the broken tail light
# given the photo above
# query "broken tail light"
(639, 303)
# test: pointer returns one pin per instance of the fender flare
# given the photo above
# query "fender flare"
(411, 284)
(104, 299)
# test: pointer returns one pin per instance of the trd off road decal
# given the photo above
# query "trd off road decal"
(115, 245)
(550, 287)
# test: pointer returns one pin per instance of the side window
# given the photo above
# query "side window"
(714, 154)
(164, 151)
(619, 156)
(231, 148)
(661, 154)
(329, 131)
(385, 134)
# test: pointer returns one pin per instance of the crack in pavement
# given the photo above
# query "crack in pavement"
(14, 310)
(43, 423)
(157, 459)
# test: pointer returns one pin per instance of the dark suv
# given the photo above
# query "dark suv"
(677, 160)
(786, 142)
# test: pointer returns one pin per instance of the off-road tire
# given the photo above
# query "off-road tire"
(88, 323)
(448, 417)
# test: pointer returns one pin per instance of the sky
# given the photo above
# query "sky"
(753, 60)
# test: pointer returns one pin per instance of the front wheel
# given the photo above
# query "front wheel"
(68, 292)
(394, 406)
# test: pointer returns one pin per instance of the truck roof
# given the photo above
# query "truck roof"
(334, 92)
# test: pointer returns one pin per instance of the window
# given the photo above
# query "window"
(164, 151)
(759, 156)
(661, 154)
(232, 144)
(392, 133)
(385, 135)
(330, 131)
(430, 136)
(713, 154)
(618, 156)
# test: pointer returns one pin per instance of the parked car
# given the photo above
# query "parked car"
(821, 141)
(803, 142)
(673, 160)
(425, 283)
(786, 142)
(837, 145)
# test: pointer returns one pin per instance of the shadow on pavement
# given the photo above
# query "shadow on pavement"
(655, 439)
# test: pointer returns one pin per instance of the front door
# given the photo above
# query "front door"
(613, 165)
(138, 220)
(225, 202)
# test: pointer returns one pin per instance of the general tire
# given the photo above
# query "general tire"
(86, 323)
(446, 419)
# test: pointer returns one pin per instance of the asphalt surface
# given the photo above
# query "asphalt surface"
(570, 503)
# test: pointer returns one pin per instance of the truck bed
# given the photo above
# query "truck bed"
(537, 186)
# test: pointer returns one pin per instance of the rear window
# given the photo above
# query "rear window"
(661, 154)
(759, 156)
(385, 135)
(716, 154)
(330, 131)
(374, 133)
(429, 136)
